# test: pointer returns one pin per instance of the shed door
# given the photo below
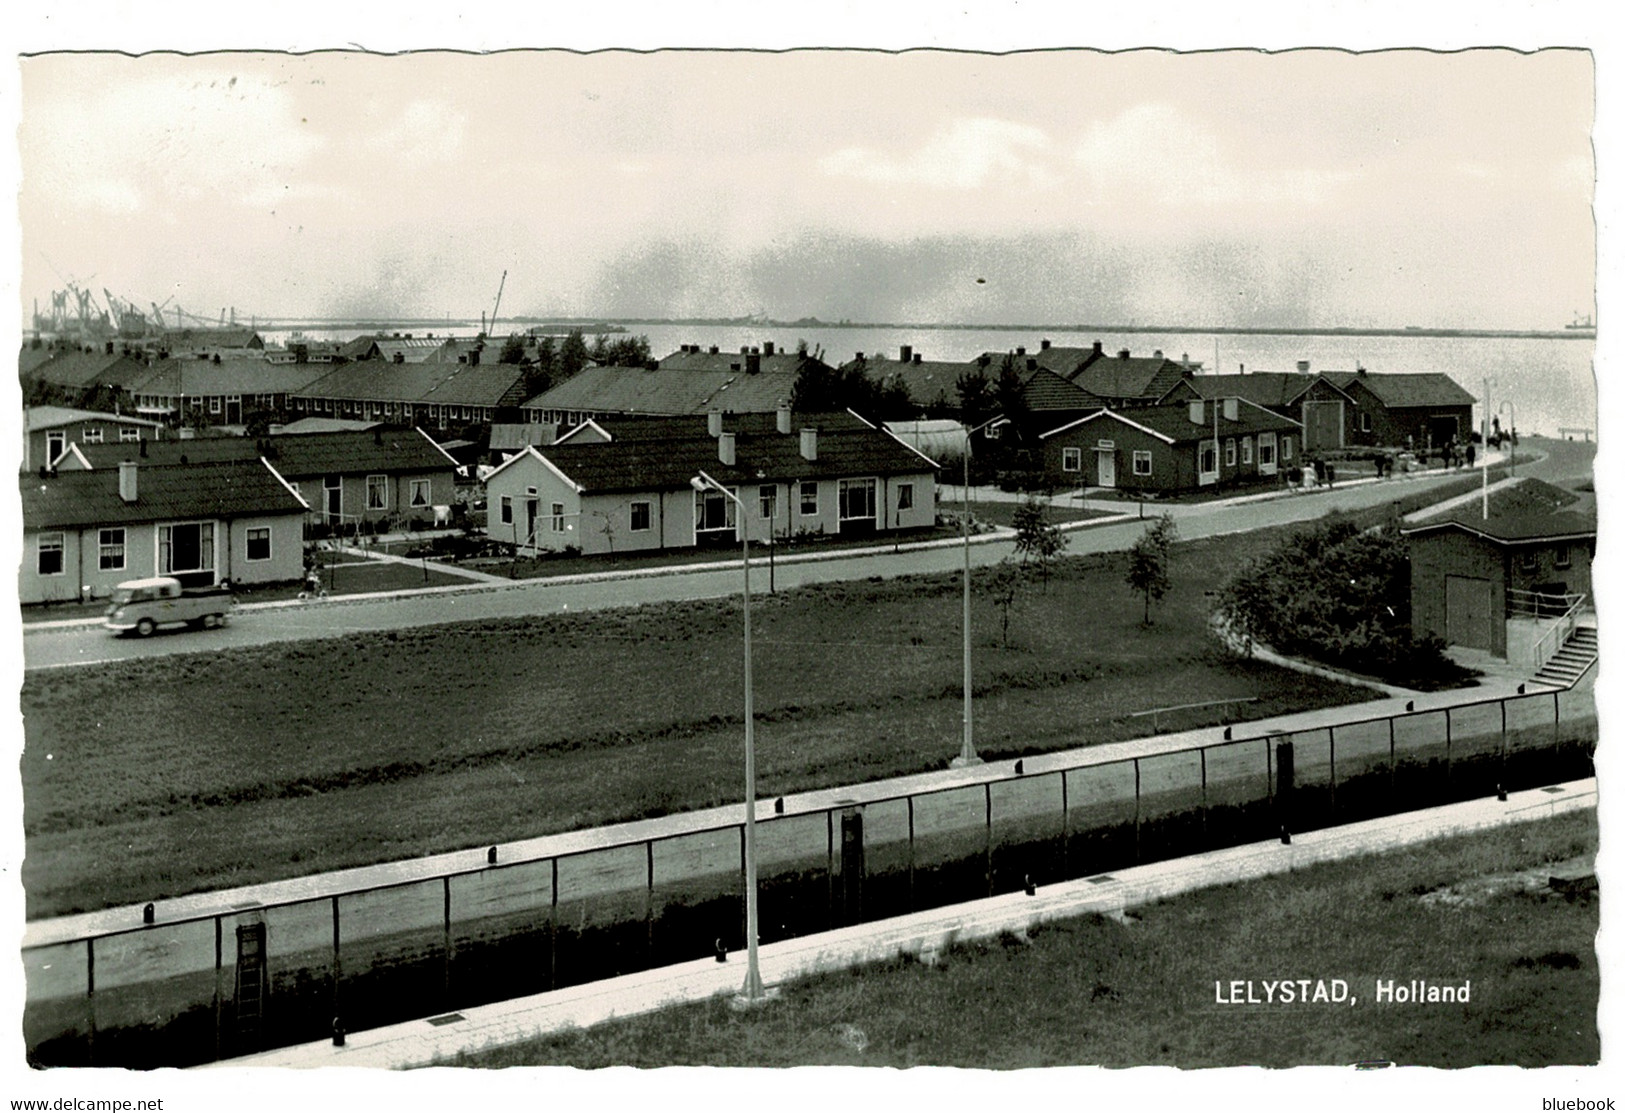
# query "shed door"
(1467, 612)
(1323, 424)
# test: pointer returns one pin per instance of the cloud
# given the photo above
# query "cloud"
(966, 154)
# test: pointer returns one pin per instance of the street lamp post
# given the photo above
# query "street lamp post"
(752, 991)
(967, 746)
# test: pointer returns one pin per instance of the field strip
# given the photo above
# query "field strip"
(422, 1042)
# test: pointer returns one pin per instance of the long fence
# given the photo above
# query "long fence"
(244, 978)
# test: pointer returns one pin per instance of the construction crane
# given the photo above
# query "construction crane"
(495, 307)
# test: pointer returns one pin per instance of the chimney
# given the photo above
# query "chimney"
(1195, 411)
(713, 349)
(753, 363)
(860, 357)
(126, 480)
(784, 416)
(1032, 364)
(984, 359)
(1097, 347)
(1122, 353)
(918, 357)
(767, 347)
(1232, 409)
(725, 448)
(809, 443)
(908, 353)
(1359, 370)
(744, 349)
(713, 423)
(1021, 351)
(1043, 345)
(1303, 365)
(1156, 354)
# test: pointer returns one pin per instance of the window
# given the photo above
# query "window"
(767, 497)
(1208, 460)
(110, 557)
(507, 510)
(377, 492)
(1229, 453)
(1071, 459)
(128, 433)
(1266, 450)
(640, 516)
(1562, 559)
(809, 498)
(1142, 462)
(857, 500)
(713, 511)
(905, 496)
(1527, 561)
(91, 434)
(214, 403)
(187, 547)
(56, 443)
(1365, 423)
(420, 492)
(558, 517)
(1286, 448)
(50, 554)
(1246, 450)
(259, 544)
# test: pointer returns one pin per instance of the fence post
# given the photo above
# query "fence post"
(987, 793)
(553, 930)
(1331, 761)
(1503, 777)
(90, 999)
(338, 969)
(1449, 780)
(649, 901)
(1284, 777)
(910, 799)
(1066, 829)
(1136, 809)
(445, 942)
(1392, 773)
(219, 958)
(1203, 753)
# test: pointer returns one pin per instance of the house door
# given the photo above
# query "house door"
(1323, 425)
(1467, 612)
(1106, 459)
(1443, 428)
(531, 508)
(333, 497)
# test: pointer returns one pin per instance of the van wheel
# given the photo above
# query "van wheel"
(145, 627)
(210, 621)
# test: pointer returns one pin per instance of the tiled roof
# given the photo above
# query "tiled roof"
(79, 370)
(696, 359)
(1048, 390)
(928, 380)
(1113, 376)
(299, 456)
(1399, 391)
(1526, 509)
(1174, 421)
(195, 377)
(224, 489)
(651, 456)
(322, 425)
(229, 337)
(513, 437)
(1276, 389)
(49, 417)
(443, 384)
(635, 390)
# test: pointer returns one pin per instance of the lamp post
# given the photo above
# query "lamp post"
(752, 992)
(967, 747)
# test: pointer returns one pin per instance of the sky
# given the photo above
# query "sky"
(1230, 188)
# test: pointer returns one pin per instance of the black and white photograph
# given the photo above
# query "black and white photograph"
(962, 541)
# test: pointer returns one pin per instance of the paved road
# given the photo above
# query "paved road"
(54, 648)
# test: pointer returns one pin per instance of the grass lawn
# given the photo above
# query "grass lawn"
(158, 777)
(1098, 991)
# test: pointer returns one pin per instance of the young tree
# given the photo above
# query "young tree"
(1004, 580)
(1037, 538)
(513, 349)
(1148, 561)
(573, 356)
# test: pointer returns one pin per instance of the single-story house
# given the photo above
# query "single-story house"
(381, 474)
(1330, 417)
(1172, 449)
(48, 431)
(508, 438)
(219, 391)
(429, 395)
(1488, 582)
(84, 532)
(1117, 380)
(1419, 411)
(624, 484)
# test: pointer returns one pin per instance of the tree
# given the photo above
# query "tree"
(1037, 538)
(1004, 580)
(513, 349)
(573, 356)
(975, 397)
(1148, 561)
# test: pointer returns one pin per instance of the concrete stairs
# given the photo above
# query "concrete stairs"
(1570, 663)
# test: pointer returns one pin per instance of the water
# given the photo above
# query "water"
(1548, 383)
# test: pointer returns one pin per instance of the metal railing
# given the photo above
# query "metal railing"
(237, 979)
(1567, 611)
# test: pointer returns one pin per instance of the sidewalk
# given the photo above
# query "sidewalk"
(424, 1042)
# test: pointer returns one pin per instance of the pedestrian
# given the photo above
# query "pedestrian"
(1472, 454)
(1331, 474)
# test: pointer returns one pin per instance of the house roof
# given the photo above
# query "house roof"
(671, 391)
(1522, 510)
(79, 369)
(1275, 389)
(703, 359)
(192, 377)
(1173, 423)
(50, 417)
(1044, 389)
(322, 425)
(298, 456)
(927, 380)
(227, 337)
(1119, 376)
(442, 384)
(507, 437)
(649, 454)
(1402, 390)
(221, 489)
